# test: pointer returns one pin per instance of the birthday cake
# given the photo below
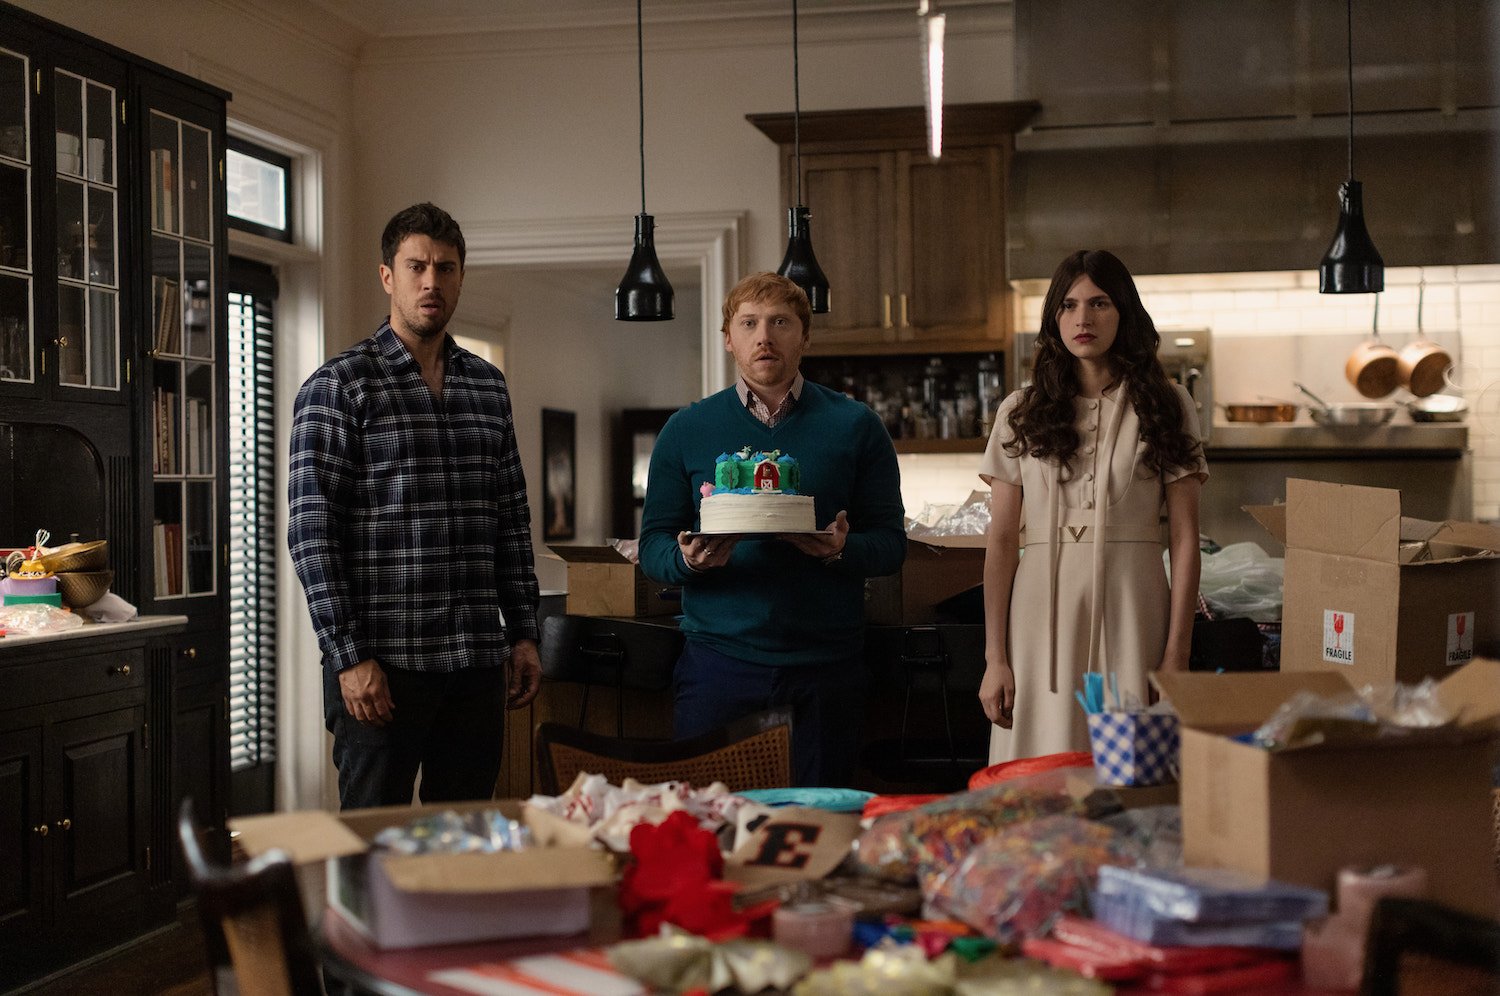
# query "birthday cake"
(755, 492)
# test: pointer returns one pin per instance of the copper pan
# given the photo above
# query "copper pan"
(1373, 367)
(1279, 412)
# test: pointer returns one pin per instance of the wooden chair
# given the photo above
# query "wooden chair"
(1417, 947)
(754, 752)
(253, 924)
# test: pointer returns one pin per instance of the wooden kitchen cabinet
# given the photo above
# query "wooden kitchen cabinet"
(914, 247)
(81, 855)
(113, 409)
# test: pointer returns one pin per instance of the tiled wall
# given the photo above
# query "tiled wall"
(1271, 329)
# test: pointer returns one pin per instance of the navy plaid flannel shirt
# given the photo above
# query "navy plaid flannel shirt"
(409, 526)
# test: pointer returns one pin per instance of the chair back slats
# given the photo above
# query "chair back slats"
(751, 753)
(252, 919)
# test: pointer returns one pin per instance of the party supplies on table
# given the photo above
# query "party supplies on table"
(1212, 895)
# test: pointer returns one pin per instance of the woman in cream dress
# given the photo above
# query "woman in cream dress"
(1101, 444)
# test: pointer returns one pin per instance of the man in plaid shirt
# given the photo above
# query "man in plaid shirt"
(410, 531)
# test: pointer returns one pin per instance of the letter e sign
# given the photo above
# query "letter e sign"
(786, 845)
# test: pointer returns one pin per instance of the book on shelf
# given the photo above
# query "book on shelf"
(163, 191)
(168, 314)
(159, 557)
(174, 558)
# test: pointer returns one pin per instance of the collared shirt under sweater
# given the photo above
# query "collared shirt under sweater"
(408, 524)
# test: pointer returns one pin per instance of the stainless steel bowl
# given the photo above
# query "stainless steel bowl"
(1346, 413)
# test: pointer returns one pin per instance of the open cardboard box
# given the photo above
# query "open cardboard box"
(1378, 596)
(936, 568)
(401, 901)
(1302, 813)
(602, 582)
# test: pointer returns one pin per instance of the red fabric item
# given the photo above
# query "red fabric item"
(1023, 766)
(1082, 932)
(884, 805)
(1087, 962)
(675, 878)
(1244, 979)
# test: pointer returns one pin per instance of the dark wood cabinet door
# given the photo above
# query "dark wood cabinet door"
(851, 201)
(950, 245)
(98, 807)
(200, 751)
(23, 843)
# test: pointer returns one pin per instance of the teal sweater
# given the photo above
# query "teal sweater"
(773, 604)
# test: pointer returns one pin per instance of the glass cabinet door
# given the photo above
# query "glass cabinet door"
(184, 363)
(17, 339)
(87, 199)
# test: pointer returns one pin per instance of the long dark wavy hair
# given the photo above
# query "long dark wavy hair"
(1042, 422)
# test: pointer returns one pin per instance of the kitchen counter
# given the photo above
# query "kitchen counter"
(142, 625)
(1400, 434)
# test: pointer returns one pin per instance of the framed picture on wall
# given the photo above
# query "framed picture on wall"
(559, 474)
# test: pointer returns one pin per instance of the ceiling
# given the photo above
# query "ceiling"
(399, 18)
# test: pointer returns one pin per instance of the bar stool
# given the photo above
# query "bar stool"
(618, 653)
(923, 653)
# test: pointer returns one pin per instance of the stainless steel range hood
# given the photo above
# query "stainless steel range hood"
(1212, 136)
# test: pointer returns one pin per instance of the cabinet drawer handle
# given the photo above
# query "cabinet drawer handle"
(61, 342)
(123, 669)
(191, 653)
(904, 322)
(885, 302)
(40, 831)
(64, 824)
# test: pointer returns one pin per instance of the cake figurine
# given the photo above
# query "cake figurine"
(25, 573)
(755, 491)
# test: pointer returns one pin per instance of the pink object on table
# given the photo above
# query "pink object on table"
(818, 930)
(28, 586)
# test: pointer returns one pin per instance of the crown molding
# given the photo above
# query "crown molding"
(339, 41)
(714, 241)
(701, 26)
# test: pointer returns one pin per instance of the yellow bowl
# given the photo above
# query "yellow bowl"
(81, 588)
(90, 556)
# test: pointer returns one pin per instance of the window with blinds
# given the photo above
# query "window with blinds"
(252, 531)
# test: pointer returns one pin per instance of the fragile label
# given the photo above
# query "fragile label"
(1338, 636)
(1460, 638)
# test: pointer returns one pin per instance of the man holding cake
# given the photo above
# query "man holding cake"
(773, 607)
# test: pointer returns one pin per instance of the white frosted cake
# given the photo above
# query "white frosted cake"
(755, 492)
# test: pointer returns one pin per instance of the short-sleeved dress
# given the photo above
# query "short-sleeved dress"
(1124, 578)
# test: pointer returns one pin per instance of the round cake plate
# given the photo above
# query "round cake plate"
(768, 534)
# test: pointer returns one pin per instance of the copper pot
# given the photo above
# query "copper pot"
(1422, 364)
(1373, 367)
(1279, 412)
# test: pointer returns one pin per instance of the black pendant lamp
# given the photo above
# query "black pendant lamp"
(645, 293)
(800, 264)
(1352, 264)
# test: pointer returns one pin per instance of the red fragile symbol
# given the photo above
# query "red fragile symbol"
(1338, 628)
(1462, 619)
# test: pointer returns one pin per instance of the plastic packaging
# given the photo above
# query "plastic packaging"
(1014, 885)
(31, 620)
(1212, 895)
(1242, 580)
(937, 835)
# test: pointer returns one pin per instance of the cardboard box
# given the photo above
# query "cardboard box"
(1300, 814)
(603, 583)
(402, 901)
(1380, 597)
(936, 568)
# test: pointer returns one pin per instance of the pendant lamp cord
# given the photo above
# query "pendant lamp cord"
(640, 68)
(796, 104)
(1349, 27)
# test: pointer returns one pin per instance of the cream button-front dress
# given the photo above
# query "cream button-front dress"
(1070, 591)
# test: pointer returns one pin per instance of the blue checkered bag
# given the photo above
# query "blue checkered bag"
(1134, 748)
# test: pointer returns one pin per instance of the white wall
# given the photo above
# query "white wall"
(565, 350)
(542, 127)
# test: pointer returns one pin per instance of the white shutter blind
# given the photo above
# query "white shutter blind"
(252, 528)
